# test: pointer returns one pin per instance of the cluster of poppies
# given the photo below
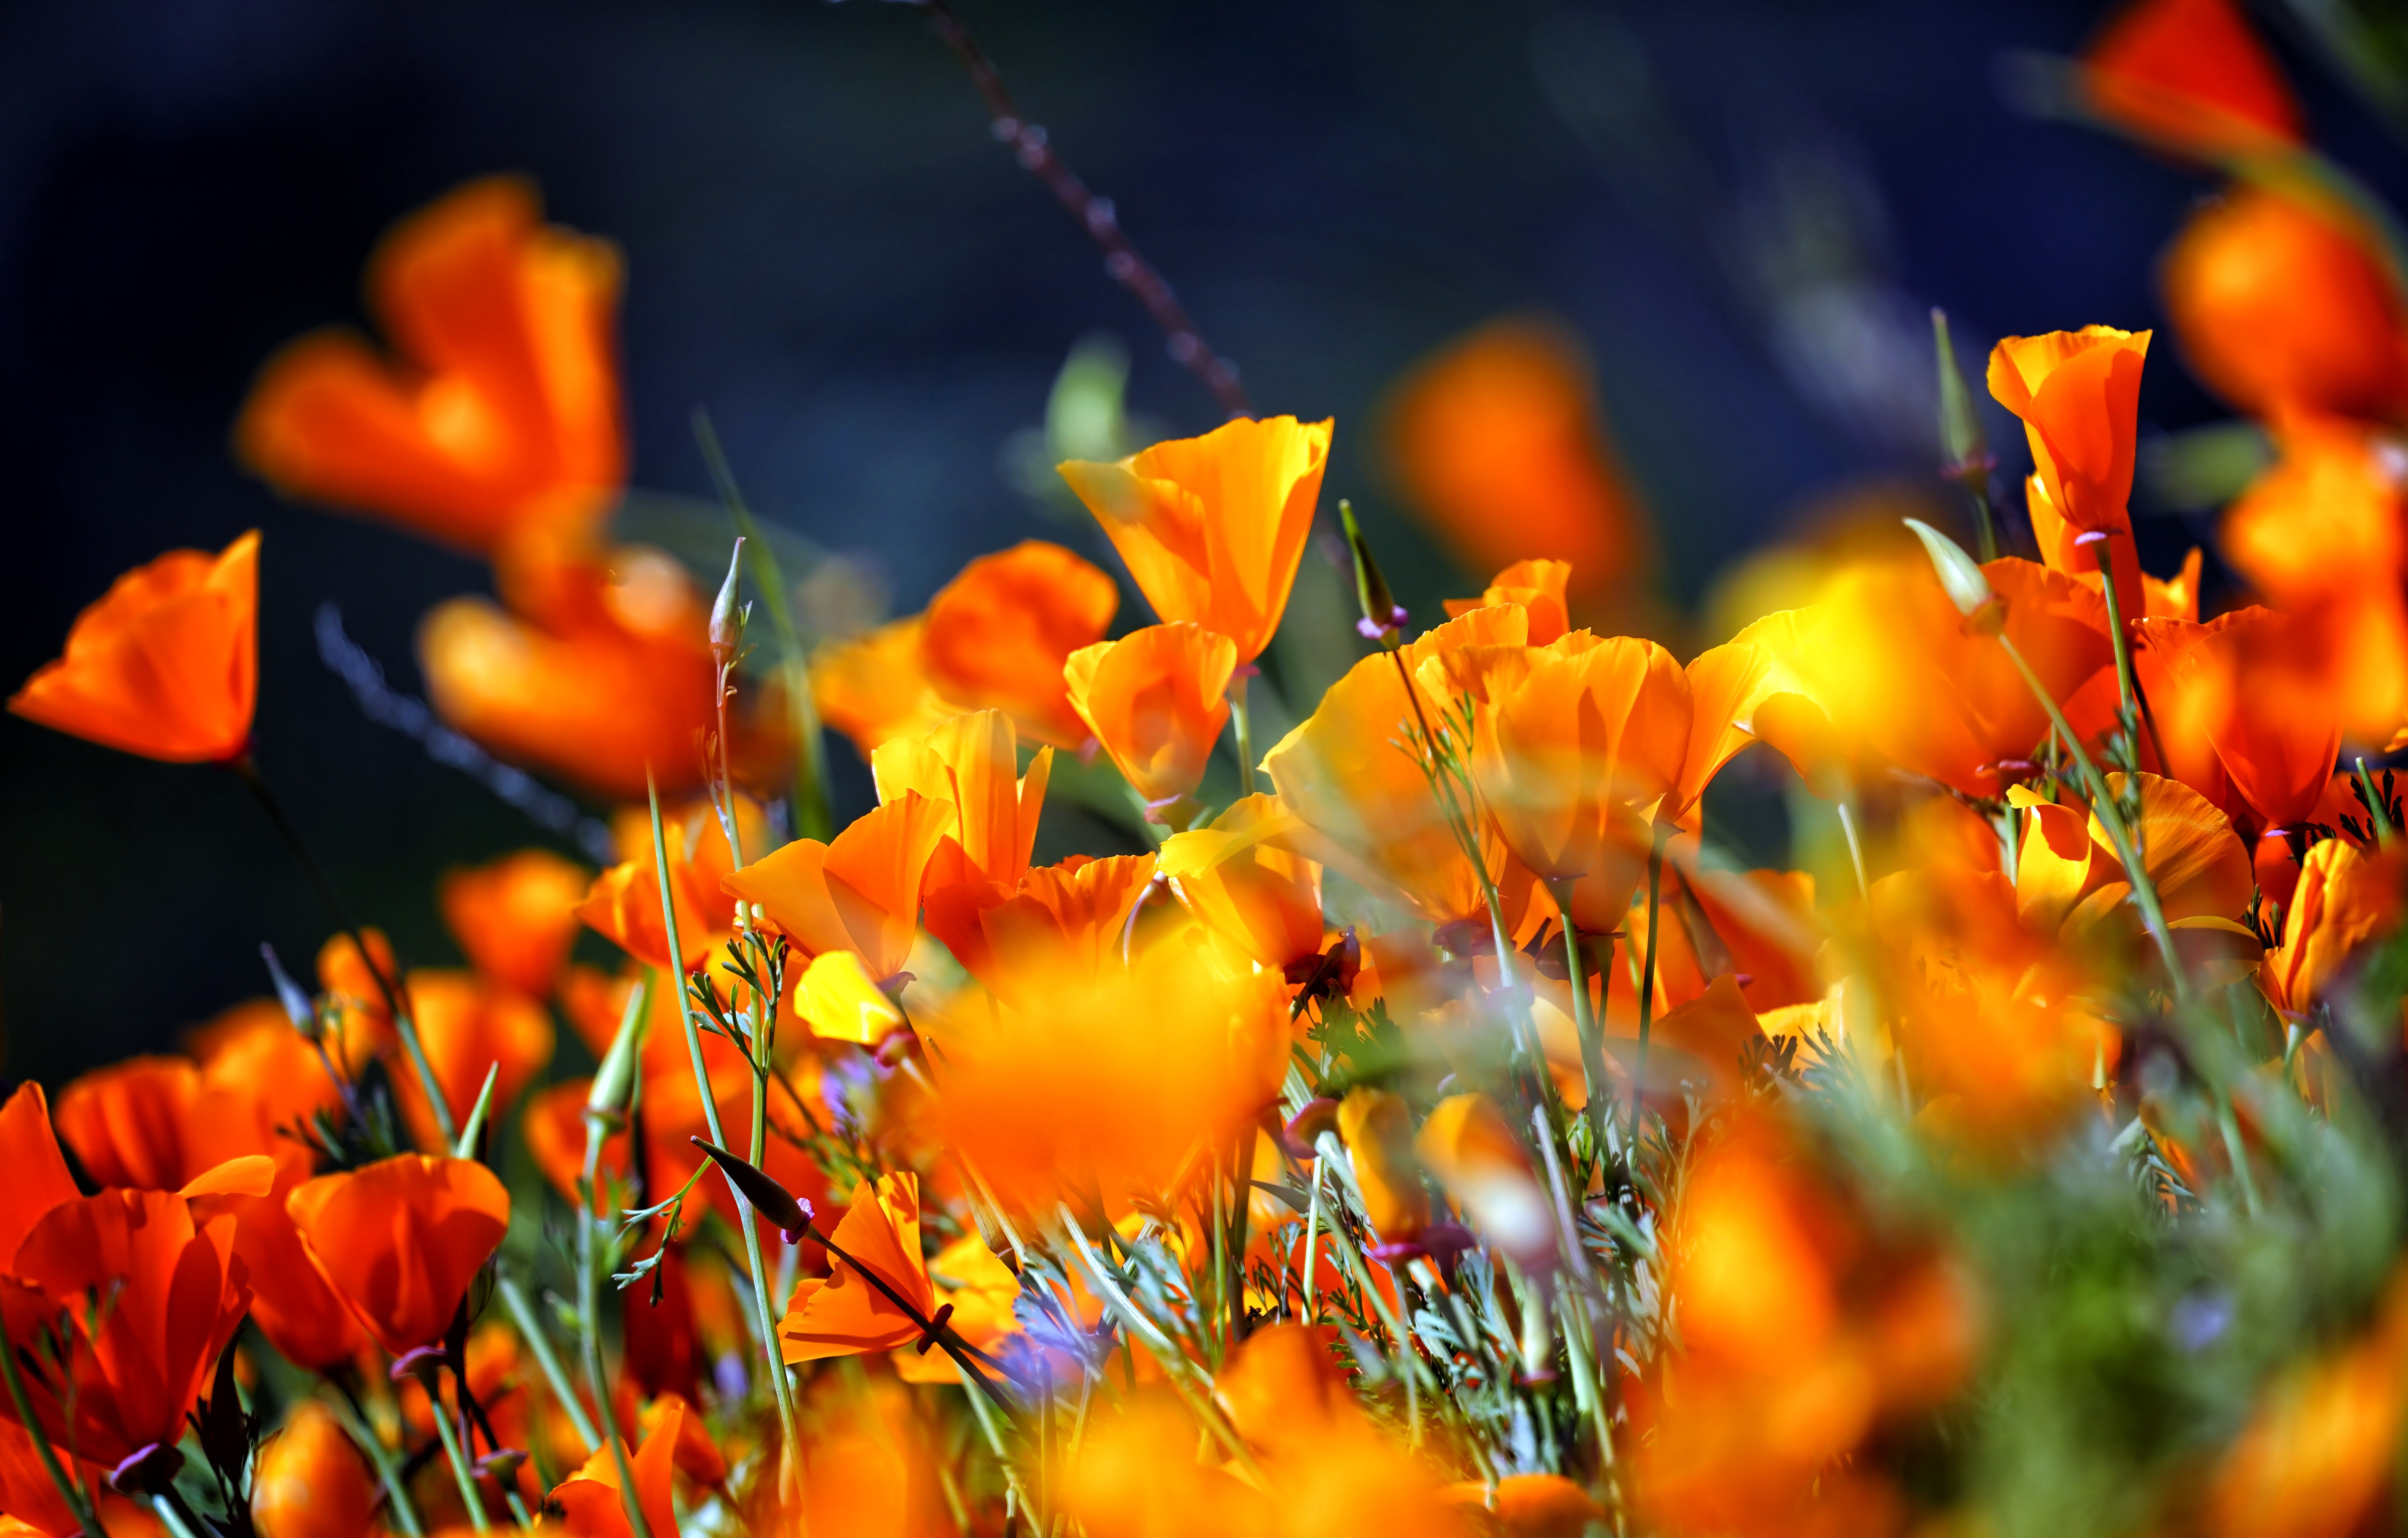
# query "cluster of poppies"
(1436, 1128)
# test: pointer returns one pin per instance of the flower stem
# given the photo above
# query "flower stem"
(523, 1315)
(1647, 978)
(396, 1493)
(745, 1223)
(69, 1490)
(1241, 720)
(248, 771)
(452, 1450)
(1592, 1038)
(589, 1305)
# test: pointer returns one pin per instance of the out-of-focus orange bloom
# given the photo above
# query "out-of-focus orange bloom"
(1887, 665)
(165, 665)
(1466, 1142)
(517, 916)
(2344, 900)
(596, 1002)
(1379, 1133)
(1066, 919)
(30, 1505)
(127, 1122)
(467, 1026)
(2323, 1442)
(1366, 809)
(553, 1127)
(349, 980)
(1156, 699)
(875, 687)
(502, 409)
(970, 763)
(2284, 309)
(1213, 527)
(1260, 898)
(1799, 1332)
(997, 636)
(982, 1291)
(591, 1501)
(1529, 1505)
(1059, 1095)
(2252, 683)
(872, 1463)
(1538, 587)
(601, 667)
(846, 1315)
(2190, 76)
(401, 1239)
(858, 893)
(134, 1369)
(1499, 442)
(2079, 395)
(311, 1481)
(625, 903)
(37, 1173)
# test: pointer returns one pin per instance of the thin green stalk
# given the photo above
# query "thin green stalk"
(745, 1223)
(523, 1315)
(2144, 891)
(460, 1471)
(1313, 1247)
(1584, 1023)
(1647, 981)
(1241, 720)
(69, 1490)
(1356, 1262)
(589, 1305)
(172, 1519)
(1855, 847)
(2378, 816)
(396, 1495)
(2127, 682)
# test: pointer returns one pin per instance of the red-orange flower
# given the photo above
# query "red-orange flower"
(2079, 395)
(1498, 441)
(502, 409)
(516, 917)
(970, 763)
(166, 664)
(625, 903)
(2189, 74)
(1538, 587)
(859, 893)
(132, 1369)
(37, 1175)
(997, 636)
(466, 1027)
(311, 1481)
(1257, 895)
(401, 1239)
(874, 689)
(591, 1501)
(1066, 919)
(1211, 527)
(1156, 699)
(2253, 684)
(846, 1315)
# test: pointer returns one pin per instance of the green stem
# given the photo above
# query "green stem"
(2127, 682)
(248, 771)
(1647, 980)
(396, 1495)
(1241, 720)
(589, 1307)
(523, 1315)
(1592, 1038)
(460, 1471)
(744, 1219)
(2378, 816)
(69, 1490)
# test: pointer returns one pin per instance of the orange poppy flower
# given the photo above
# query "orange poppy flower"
(983, 1292)
(970, 763)
(1537, 586)
(2284, 309)
(601, 667)
(858, 893)
(1364, 808)
(2252, 683)
(1156, 699)
(502, 409)
(997, 636)
(401, 1239)
(516, 917)
(1499, 442)
(875, 1462)
(30, 1505)
(1046, 1090)
(467, 1026)
(132, 1369)
(127, 1122)
(1466, 1143)
(165, 664)
(2345, 899)
(2069, 883)
(1065, 918)
(348, 983)
(553, 1129)
(1262, 898)
(37, 1173)
(311, 1481)
(1377, 1130)
(875, 687)
(845, 1316)
(2190, 76)
(623, 904)
(591, 1501)
(1213, 527)
(2079, 395)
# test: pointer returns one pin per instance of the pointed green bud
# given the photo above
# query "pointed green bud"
(726, 615)
(1959, 574)
(1960, 426)
(615, 1080)
(1383, 616)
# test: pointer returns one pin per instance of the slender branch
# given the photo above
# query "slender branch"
(1097, 215)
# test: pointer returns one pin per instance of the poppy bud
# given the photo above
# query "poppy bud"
(297, 1007)
(1305, 1127)
(1968, 453)
(771, 1200)
(1966, 586)
(1383, 616)
(726, 615)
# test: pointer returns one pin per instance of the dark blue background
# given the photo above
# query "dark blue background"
(827, 249)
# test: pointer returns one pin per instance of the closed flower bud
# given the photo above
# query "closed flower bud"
(1967, 587)
(726, 615)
